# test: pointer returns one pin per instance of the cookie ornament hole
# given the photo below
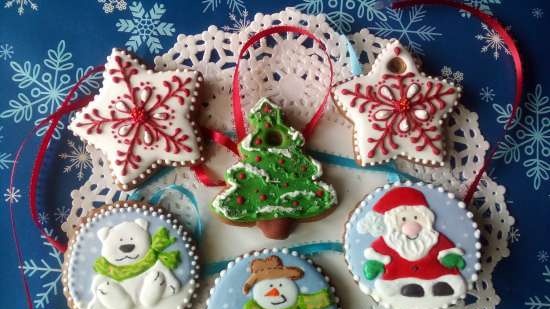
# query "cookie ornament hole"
(274, 138)
(397, 66)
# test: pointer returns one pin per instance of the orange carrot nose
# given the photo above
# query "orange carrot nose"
(272, 293)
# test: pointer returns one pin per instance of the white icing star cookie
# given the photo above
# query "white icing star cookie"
(397, 110)
(141, 119)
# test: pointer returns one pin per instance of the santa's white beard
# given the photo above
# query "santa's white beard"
(415, 249)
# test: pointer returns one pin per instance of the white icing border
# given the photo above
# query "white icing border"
(354, 217)
(145, 210)
(153, 168)
(409, 157)
(286, 251)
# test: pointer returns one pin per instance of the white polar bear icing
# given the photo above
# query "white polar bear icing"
(124, 244)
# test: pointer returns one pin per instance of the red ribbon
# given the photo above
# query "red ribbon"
(238, 116)
(494, 24)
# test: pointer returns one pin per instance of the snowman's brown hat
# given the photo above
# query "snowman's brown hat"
(270, 268)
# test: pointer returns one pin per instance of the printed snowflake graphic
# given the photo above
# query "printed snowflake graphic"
(48, 270)
(232, 5)
(78, 159)
(492, 41)
(543, 256)
(514, 235)
(407, 29)
(12, 195)
(109, 6)
(452, 76)
(43, 218)
(20, 5)
(6, 51)
(482, 5)
(530, 137)
(61, 214)
(145, 27)
(44, 86)
(5, 158)
(543, 302)
(238, 23)
(537, 13)
(487, 94)
(341, 14)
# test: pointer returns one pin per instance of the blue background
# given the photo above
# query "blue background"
(42, 50)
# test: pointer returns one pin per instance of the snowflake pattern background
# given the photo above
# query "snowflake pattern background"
(487, 94)
(43, 87)
(145, 27)
(12, 195)
(492, 41)
(77, 159)
(537, 13)
(21, 5)
(529, 141)
(541, 302)
(483, 5)
(109, 6)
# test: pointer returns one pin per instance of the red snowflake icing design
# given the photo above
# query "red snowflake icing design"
(401, 105)
(141, 116)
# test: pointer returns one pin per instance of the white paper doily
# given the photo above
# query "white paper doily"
(295, 76)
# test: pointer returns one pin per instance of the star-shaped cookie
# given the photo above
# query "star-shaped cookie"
(141, 120)
(397, 110)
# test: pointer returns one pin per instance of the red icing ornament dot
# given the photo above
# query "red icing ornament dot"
(258, 158)
(240, 200)
(263, 197)
(242, 175)
(258, 141)
(281, 161)
(295, 203)
(320, 193)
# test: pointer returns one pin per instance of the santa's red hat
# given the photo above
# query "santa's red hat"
(400, 196)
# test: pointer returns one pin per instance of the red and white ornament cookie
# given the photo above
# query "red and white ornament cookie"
(141, 119)
(397, 110)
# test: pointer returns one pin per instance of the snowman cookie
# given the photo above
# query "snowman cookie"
(412, 246)
(272, 279)
(130, 256)
(141, 120)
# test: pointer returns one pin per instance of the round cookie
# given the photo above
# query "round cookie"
(130, 255)
(412, 246)
(272, 279)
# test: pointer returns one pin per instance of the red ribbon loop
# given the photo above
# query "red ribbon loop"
(494, 24)
(238, 116)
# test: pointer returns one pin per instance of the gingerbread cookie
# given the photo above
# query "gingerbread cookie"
(141, 120)
(130, 256)
(272, 279)
(275, 184)
(396, 110)
(413, 246)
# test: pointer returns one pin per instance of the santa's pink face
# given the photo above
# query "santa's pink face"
(409, 231)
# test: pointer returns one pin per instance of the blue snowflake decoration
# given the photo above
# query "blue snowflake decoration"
(487, 94)
(407, 28)
(232, 5)
(43, 87)
(542, 302)
(482, 5)
(530, 138)
(341, 14)
(146, 27)
(6, 51)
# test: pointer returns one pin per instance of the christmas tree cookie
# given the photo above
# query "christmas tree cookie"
(130, 255)
(272, 279)
(413, 246)
(276, 183)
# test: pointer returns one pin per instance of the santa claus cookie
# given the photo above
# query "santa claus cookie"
(130, 256)
(141, 120)
(412, 246)
(396, 110)
(272, 279)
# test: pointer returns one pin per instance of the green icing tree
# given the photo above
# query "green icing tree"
(276, 183)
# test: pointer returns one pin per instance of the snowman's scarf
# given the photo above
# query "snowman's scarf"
(161, 241)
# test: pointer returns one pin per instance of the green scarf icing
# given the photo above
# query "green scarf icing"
(161, 241)
(319, 300)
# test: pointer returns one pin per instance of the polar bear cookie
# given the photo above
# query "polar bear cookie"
(130, 256)
(412, 246)
(272, 279)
